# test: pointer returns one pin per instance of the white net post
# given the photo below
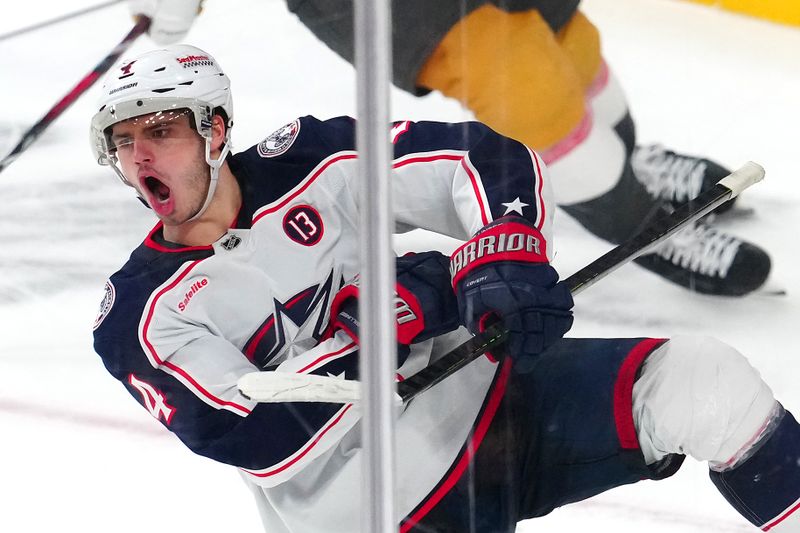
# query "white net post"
(378, 349)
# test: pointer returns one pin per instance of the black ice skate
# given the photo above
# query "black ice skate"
(706, 260)
(674, 177)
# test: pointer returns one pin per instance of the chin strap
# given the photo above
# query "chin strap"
(215, 165)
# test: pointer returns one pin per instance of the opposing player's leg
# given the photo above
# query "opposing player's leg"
(674, 177)
(543, 81)
(553, 91)
(510, 70)
(701, 397)
(667, 175)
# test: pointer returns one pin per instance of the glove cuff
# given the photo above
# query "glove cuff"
(514, 240)
(343, 304)
(409, 318)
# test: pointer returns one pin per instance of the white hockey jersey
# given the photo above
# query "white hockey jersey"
(179, 325)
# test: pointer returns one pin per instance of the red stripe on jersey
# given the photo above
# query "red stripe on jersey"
(172, 366)
(250, 348)
(476, 188)
(301, 453)
(786, 514)
(496, 395)
(623, 392)
(427, 159)
(347, 156)
(539, 195)
(306, 185)
(151, 243)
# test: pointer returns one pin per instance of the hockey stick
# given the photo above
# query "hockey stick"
(56, 20)
(36, 130)
(289, 387)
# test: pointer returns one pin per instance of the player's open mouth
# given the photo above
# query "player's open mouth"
(158, 190)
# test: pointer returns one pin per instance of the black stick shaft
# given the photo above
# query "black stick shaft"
(653, 234)
(37, 129)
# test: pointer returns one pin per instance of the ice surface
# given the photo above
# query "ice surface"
(77, 453)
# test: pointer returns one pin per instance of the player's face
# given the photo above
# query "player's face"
(163, 157)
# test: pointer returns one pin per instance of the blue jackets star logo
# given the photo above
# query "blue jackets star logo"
(295, 327)
(515, 206)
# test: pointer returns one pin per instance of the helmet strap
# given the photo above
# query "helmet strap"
(214, 165)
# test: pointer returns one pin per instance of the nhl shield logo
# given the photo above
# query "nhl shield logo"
(279, 141)
(105, 305)
(231, 242)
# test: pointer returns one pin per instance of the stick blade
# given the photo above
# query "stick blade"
(272, 387)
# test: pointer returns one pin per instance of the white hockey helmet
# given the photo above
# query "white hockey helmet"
(172, 79)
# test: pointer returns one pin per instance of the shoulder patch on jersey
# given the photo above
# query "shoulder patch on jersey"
(105, 305)
(279, 141)
(303, 224)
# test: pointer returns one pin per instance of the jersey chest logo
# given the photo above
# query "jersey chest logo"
(295, 326)
(303, 224)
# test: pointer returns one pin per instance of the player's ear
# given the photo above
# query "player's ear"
(217, 132)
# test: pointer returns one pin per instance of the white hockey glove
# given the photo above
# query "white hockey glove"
(171, 19)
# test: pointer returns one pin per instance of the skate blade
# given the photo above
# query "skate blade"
(770, 288)
(736, 212)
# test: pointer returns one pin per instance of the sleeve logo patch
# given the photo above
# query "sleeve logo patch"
(303, 224)
(280, 141)
(105, 305)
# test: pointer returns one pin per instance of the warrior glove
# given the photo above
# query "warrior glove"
(424, 302)
(170, 19)
(502, 274)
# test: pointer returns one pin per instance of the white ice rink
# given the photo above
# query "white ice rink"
(78, 454)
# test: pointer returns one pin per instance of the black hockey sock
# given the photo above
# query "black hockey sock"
(765, 488)
(625, 209)
(619, 213)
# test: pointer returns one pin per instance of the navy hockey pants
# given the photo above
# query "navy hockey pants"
(559, 434)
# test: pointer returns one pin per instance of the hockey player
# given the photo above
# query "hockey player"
(243, 272)
(533, 70)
